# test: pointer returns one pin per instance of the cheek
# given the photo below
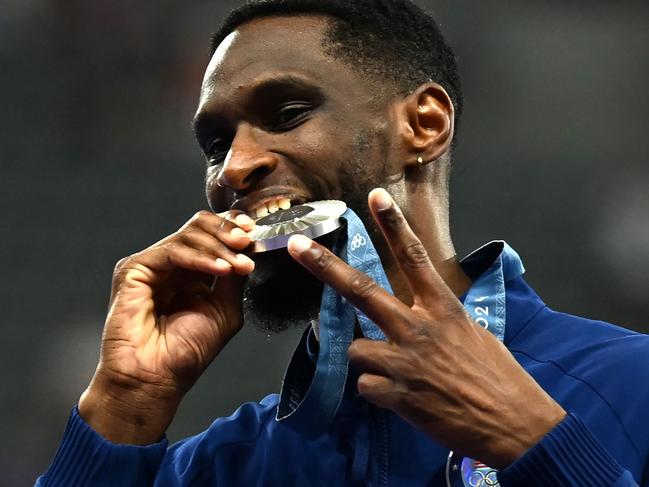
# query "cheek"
(319, 140)
(218, 197)
(320, 151)
(331, 138)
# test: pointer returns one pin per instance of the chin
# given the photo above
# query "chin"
(281, 294)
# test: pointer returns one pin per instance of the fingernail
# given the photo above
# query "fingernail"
(244, 259)
(223, 263)
(244, 219)
(237, 232)
(299, 243)
(382, 200)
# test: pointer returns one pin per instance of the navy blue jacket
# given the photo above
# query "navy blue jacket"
(598, 372)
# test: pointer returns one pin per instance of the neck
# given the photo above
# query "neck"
(425, 206)
(446, 264)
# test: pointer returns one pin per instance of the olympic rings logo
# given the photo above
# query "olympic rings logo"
(481, 479)
(358, 241)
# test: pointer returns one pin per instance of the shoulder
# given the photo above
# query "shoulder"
(227, 439)
(243, 425)
(582, 345)
(246, 422)
(595, 369)
(548, 335)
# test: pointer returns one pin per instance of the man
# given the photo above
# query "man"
(314, 100)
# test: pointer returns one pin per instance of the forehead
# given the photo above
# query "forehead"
(268, 47)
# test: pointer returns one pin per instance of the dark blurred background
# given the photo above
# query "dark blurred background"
(97, 162)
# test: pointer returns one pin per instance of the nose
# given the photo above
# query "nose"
(247, 162)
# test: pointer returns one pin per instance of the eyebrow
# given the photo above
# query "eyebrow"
(274, 87)
(280, 84)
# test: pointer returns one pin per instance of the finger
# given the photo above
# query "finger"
(378, 390)
(172, 256)
(200, 240)
(187, 258)
(380, 306)
(373, 356)
(240, 218)
(411, 255)
(222, 228)
(244, 221)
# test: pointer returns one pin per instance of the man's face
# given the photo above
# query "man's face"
(279, 119)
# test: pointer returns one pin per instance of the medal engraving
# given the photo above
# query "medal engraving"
(313, 219)
(282, 216)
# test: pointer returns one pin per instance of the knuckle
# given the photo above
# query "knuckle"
(421, 331)
(354, 351)
(198, 218)
(171, 247)
(323, 261)
(184, 232)
(190, 235)
(362, 286)
(171, 251)
(415, 255)
(393, 219)
(125, 264)
(121, 264)
(452, 309)
(122, 269)
(450, 312)
(365, 384)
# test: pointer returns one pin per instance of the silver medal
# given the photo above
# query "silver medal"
(312, 219)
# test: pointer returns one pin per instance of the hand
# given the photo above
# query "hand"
(440, 371)
(166, 323)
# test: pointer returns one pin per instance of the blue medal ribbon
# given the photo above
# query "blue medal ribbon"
(485, 301)
(311, 393)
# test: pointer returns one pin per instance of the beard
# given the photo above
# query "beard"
(281, 294)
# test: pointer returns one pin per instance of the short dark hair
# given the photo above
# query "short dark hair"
(388, 40)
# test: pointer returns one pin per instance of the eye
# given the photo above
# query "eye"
(290, 115)
(216, 150)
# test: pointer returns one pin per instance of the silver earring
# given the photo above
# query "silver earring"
(420, 161)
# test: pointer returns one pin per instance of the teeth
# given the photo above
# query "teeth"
(270, 207)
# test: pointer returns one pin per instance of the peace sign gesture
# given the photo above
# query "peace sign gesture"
(440, 371)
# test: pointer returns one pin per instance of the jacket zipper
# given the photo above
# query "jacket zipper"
(383, 444)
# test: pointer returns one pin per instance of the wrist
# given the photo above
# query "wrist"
(514, 446)
(126, 415)
(568, 455)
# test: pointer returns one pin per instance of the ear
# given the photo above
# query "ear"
(426, 119)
